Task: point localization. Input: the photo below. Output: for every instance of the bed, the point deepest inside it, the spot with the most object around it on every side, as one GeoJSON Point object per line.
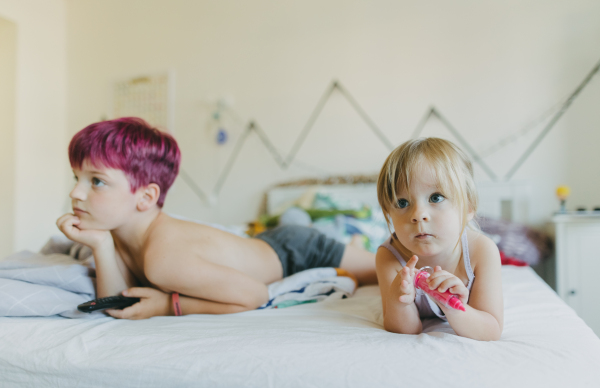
{"type": "Point", "coordinates": [335, 343]}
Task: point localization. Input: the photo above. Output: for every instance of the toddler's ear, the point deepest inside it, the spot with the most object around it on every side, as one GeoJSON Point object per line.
{"type": "Point", "coordinates": [470, 215]}
{"type": "Point", "coordinates": [149, 197]}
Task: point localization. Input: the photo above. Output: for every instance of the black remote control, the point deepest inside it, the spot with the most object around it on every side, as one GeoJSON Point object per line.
{"type": "Point", "coordinates": [110, 302]}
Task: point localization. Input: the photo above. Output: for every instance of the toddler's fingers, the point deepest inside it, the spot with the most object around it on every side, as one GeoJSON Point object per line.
{"type": "Point", "coordinates": [405, 287]}
{"type": "Point", "coordinates": [448, 283]}
{"type": "Point", "coordinates": [406, 299]}
{"type": "Point", "coordinates": [459, 290]}
{"type": "Point", "coordinates": [434, 282]}
{"type": "Point", "coordinates": [412, 262]}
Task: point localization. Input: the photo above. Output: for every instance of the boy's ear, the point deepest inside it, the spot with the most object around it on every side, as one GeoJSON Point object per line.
{"type": "Point", "coordinates": [149, 197]}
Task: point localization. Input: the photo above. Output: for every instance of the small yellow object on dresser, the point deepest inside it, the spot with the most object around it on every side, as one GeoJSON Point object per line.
{"type": "Point", "coordinates": [562, 192]}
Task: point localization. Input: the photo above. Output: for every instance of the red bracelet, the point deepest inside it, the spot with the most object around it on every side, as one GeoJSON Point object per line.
{"type": "Point", "coordinates": [176, 305]}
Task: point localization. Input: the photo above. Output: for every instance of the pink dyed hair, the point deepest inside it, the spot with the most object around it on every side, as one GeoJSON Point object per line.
{"type": "Point", "coordinates": [145, 154]}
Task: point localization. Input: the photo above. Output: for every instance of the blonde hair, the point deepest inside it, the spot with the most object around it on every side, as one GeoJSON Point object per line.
{"type": "Point", "coordinates": [452, 168]}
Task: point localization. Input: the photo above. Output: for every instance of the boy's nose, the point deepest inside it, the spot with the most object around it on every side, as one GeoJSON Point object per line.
{"type": "Point", "coordinates": [77, 193]}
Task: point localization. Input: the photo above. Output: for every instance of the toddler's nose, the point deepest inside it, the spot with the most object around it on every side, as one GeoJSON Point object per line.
{"type": "Point", "coordinates": [420, 214]}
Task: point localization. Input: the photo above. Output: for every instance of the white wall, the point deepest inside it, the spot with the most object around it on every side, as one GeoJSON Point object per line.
{"type": "Point", "coordinates": [39, 119]}
{"type": "Point", "coordinates": [490, 67]}
{"type": "Point", "coordinates": [8, 53]}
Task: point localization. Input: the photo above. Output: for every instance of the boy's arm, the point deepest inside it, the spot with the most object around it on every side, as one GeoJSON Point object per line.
{"type": "Point", "coordinates": [112, 275]}
{"type": "Point", "coordinates": [158, 303]}
{"type": "Point", "coordinates": [202, 279]}
{"type": "Point", "coordinates": [398, 316]}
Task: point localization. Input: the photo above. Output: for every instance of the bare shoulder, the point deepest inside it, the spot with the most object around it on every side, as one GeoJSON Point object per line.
{"type": "Point", "coordinates": [386, 259]}
{"type": "Point", "coordinates": [482, 250]}
{"type": "Point", "coordinates": [386, 266]}
{"type": "Point", "coordinates": [169, 234]}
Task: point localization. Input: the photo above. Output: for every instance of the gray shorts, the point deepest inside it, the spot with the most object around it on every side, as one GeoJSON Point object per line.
{"type": "Point", "coordinates": [302, 247]}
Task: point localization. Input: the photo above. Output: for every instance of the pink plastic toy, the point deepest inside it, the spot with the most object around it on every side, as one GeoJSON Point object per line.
{"type": "Point", "coordinates": [446, 298]}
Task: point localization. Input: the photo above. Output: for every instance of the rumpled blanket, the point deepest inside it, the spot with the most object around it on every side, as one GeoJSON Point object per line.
{"type": "Point", "coordinates": [62, 276]}
{"type": "Point", "coordinates": [311, 286]}
{"type": "Point", "coordinates": [38, 285]}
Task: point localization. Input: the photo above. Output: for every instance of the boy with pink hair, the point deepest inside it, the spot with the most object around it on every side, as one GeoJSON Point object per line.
{"type": "Point", "coordinates": [123, 169]}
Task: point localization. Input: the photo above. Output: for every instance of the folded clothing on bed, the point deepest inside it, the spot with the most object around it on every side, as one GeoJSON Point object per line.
{"type": "Point", "coordinates": [310, 286]}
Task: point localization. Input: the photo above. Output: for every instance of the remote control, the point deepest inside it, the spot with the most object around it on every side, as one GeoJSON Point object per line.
{"type": "Point", "coordinates": [110, 302]}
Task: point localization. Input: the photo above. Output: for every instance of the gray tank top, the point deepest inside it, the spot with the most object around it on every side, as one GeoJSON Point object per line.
{"type": "Point", "coordinates": [425, 305]}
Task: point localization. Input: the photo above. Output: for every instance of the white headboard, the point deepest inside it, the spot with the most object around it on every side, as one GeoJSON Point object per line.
{"type": "Point", "coordinates": [502, 200]}
{"type": "Point", "coordinates": [365, 193]}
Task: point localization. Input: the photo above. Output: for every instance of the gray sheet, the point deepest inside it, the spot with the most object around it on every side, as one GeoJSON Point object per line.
{"type": "Point", "coordinates": [48, 283]}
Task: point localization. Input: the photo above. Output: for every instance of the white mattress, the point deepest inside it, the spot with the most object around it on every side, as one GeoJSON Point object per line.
{"type": "Point", "coordinates": [330, 344]}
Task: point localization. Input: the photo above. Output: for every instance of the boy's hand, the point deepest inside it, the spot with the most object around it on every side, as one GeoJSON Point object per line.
{"type": "Point", "coordinates": [404, 283]}
{"type": "Point", "coordinates": [445, 281]}
{"type": "Point", "coordinates": [69, 225]}
{"type": "Point", "coordinates": [152, 303]}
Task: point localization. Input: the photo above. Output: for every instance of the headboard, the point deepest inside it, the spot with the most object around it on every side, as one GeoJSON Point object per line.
{"type": "Point", "coordinates": [500, 200]}
{"type": "Point", "coordinates": [504, 200]}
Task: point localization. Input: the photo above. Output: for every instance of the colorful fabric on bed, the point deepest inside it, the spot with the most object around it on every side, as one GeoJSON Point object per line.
{"type": "Point", "coordinates": [311, 286]}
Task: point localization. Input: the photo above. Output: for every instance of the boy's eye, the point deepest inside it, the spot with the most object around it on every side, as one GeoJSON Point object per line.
{"type": "Point", "coordinates": [402, 203]}
{"type": "Point", "coordinates": [75, 177]}
{"type": "Point", "coordinates": [97, 182]}
{"type": "Point", "coordinates": [437, 198]}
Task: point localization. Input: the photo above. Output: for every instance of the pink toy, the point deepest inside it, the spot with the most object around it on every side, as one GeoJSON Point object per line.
{"type": "Point", "coordinates": [446, 298]}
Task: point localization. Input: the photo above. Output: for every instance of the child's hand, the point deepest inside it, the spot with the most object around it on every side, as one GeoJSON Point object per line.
{"type": "Point", "coordinates": [444, 281]}
{"type": "Point", "coordinates": [152, 303]}
{"type": "Point", "coordinates": [405, 282]}
{"type": "Point", "coordinates": [69, 225]}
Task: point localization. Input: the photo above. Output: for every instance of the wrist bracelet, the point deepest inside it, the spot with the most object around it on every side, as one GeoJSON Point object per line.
{"type": "Point", "coordinates": [176, 305]}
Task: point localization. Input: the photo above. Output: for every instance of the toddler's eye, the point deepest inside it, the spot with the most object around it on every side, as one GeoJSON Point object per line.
{"type": "Point", "coordinates": [97, 182]}
{"type": "Point", "coordinates": [402, 203]}
{"type": "Point", "coordinates": [437, 198]}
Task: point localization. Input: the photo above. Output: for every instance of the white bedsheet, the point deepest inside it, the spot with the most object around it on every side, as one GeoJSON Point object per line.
{"type": "Point", "coordinates": [337, 343]}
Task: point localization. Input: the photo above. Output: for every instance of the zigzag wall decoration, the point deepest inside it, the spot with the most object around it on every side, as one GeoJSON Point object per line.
{"type": "Point", "coordinates": [433, 112]}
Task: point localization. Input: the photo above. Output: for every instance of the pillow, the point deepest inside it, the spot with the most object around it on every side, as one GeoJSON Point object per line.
{"type": "Point", "coordinates": [519, 241]}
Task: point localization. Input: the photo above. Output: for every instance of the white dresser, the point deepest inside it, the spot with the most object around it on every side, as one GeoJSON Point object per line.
{"type": "Point", "coordinates": [578, 264]}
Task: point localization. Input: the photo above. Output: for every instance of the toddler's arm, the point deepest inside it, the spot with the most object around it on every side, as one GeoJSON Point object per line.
{"type": "Point", "coordinates": [396, 284]}
{"type": "Point", "coordinates": [484, 315]}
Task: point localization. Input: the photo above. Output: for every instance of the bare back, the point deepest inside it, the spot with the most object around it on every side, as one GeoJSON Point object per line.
{"type": "Point", "coordinates": [169, 237]}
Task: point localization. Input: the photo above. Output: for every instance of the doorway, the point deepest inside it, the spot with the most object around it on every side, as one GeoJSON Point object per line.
{"type": "Point", "coordinates": [8, 52]}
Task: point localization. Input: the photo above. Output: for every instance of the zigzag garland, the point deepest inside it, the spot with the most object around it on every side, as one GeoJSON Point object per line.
{"type": "Point", "coordinates": [433, 112]}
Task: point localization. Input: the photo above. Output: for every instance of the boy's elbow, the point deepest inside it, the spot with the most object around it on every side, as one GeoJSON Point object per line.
{"type": "Point", "coordinates": [252, 301]}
